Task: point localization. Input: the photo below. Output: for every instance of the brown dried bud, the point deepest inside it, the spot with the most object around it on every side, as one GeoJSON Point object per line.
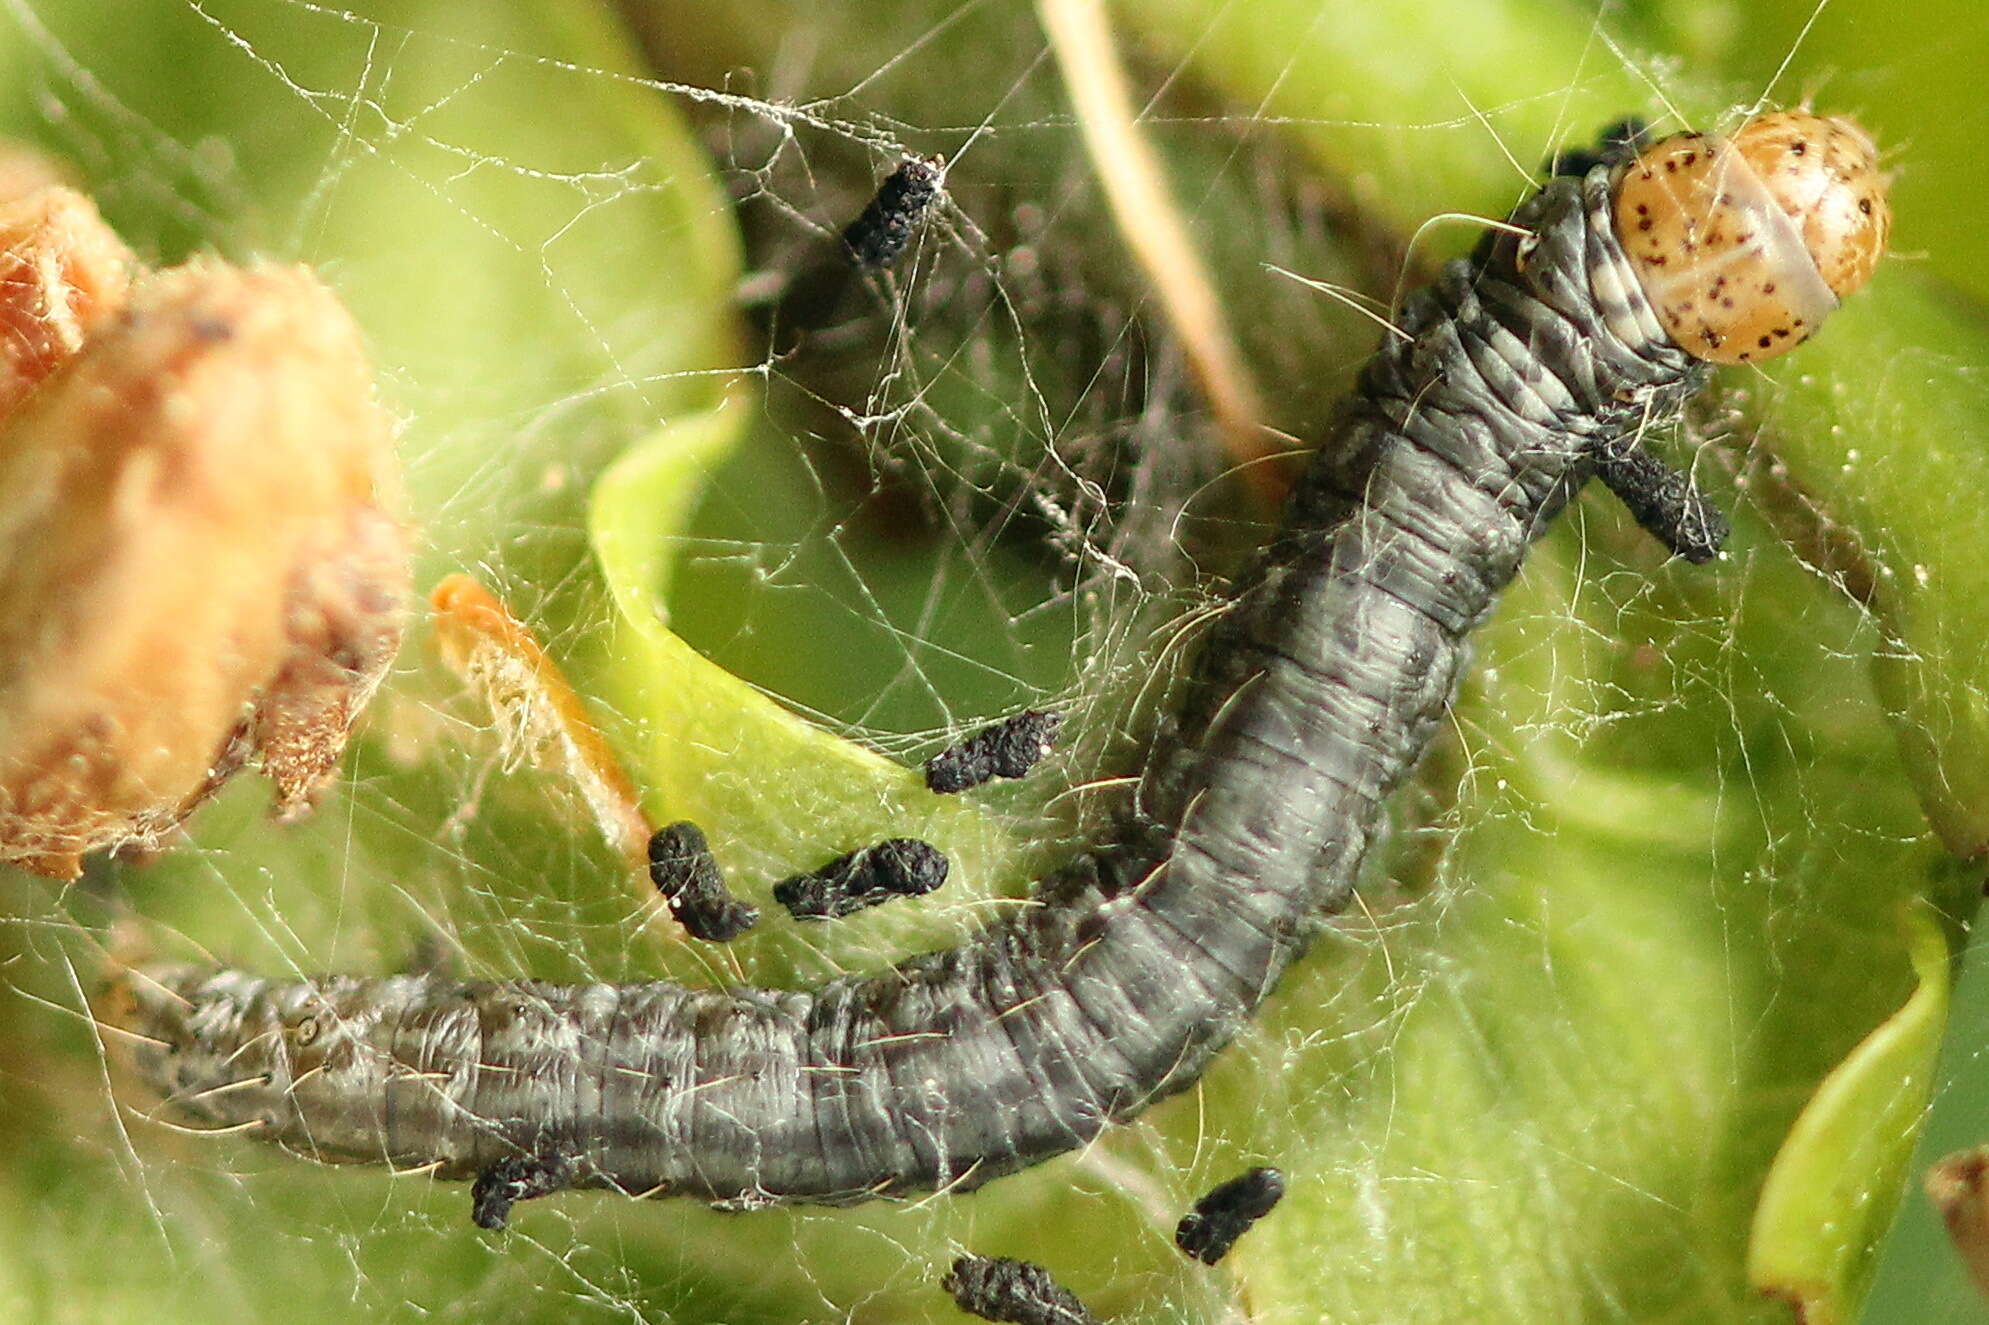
{"type": "Point", "coordinates": [195, 562]}
{"type": "Point", "coordinates": [63, 274]}
{"type": "Point", "coordinates": [25, 170]}
{"type": "Point", "coordinates": [1959, 1188]}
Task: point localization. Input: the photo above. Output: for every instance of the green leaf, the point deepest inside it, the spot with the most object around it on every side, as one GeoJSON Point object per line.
{"type": "Point", "coordinates": [1835, 1184]}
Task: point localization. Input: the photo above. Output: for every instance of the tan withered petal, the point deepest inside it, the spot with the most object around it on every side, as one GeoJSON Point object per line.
{"type": "Point", "coordinates": [196, 561]}
{"type": "Point", "coordinates": [63, 274]}
{"type": "Point", "coordinates": [25, 170]}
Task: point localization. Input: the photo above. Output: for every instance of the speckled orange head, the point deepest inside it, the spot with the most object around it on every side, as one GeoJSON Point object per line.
{"type": "Point", "coordinates": [1745, 244]}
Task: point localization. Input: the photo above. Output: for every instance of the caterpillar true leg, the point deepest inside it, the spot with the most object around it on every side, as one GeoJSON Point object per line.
{"type": "Point", "coordinates": [1615, 142]}
{"type": "Point", "coordinates": [1663, 500]}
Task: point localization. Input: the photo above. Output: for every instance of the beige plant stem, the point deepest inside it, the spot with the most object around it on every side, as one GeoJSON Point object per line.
{"type": "Point", "coordinates": [1151, 223]}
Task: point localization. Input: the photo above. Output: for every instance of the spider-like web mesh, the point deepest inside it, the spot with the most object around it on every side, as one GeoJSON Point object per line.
{"type": "Point", "coordinates": [1652, 884]}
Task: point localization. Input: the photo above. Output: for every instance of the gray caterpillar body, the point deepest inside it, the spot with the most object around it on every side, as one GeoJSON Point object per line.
{"type": "Point", "coordinates": [1142, 958]}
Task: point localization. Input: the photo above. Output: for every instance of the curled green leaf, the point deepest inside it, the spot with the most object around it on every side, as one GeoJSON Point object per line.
{"type": "Point", "coordinates": [709, 746]}
{"type": "Point", "coordinates": [1835, 1184]}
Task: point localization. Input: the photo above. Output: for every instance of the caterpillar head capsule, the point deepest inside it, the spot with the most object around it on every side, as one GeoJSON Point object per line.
{"type": "Point", "coordinates": [1745, 244]}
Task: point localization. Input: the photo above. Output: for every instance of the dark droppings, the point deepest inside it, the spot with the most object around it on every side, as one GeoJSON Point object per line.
{"type": "Point", "coordinates": [1017, 1292]}
{"type": "Point", "coordinates": [876, 238]}
{"type": "Point", "coordinates": [1008, 749]}
{"type": "Point", "coordinates": [1208, 1231]}
{"type": "Point", "coordinates": [509, 1181]}
{"type": "Point", "coordinates": [685, 872]}
{"type": "Point", "coordinates": [900, 867]}
{"type": "Point", "coordinates": [820, 295]}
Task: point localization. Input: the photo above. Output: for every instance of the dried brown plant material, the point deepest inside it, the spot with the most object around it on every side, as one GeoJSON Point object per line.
{"type": "Point", "coordinates": [64, 274]}
{"type": "Point", "coordinates": [539, 713]}
{"type": "Point", "coordinates": [197, 564]}
{"type": "Point", "coordinates": [24, 170]}
{"type": "Point", "coordinates": [1959, 1188]}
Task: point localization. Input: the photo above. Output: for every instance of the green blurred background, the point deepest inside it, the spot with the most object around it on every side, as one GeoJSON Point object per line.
{"type": "Point", "coordinates": [1658, 882]}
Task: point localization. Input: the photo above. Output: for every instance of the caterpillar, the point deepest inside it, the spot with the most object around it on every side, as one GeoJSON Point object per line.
{"type": "Point", "coordinates": [1540, 362]}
